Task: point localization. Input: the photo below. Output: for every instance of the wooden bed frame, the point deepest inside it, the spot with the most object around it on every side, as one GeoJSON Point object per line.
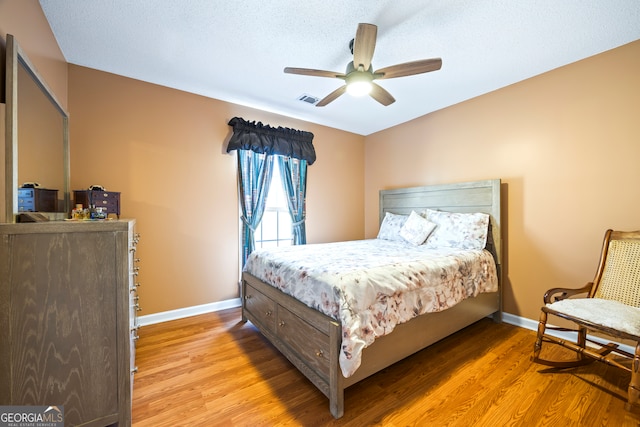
{"type": "Point", "coordinates": [311, 340]}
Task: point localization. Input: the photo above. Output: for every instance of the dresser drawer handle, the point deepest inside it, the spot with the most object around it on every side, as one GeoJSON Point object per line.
{"type": "Point", "coordinates": [268, 313]}
{"type": "Point", "coordinates": [105, 202]}
{"type": "Point", "coordinates": [320, 353]}
{"type": "Point", "coordinates": [281, 323]}
{"type": "Point", "coordinates": [134, 370]}
{"type": "Point", "coordinates": [247, 297]}
{"type": "Point", "coordinates": [105, 194]}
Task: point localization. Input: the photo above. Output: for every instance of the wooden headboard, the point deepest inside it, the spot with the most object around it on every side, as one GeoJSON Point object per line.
{"type": "Point", "coordinates": [475, 196]}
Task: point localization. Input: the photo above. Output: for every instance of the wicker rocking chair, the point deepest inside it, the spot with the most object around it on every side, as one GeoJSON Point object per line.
{"type": "Point", "coordinates": [611, 308]}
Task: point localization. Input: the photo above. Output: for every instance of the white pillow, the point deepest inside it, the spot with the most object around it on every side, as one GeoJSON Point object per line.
{"type": "Point", "coordinates": [391, 225]}
{"type": "Point", "coordinates": [458, 230]}
{"type": "Point", "coordinates": [416, 229]}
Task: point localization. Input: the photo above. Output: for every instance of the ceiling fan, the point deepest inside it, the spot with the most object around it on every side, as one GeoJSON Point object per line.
{"type": "Point", "coordinates": [359, 75]}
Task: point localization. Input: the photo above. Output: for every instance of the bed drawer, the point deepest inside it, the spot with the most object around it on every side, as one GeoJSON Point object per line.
{"type": "Point", "coordinates": [261, 306]}
{"type": "Point", "coordinates": [305, 340]}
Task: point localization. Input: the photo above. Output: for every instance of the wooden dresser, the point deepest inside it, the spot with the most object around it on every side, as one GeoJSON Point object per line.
{"type": "Point", "coordinates": [67, 318]}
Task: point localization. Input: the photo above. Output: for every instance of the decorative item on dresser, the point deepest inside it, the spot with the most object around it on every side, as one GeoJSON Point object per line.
{"type": "Point", "coordinates": [37, 200]}
{"type": "Point", "coordinates": [110, 200]}
{"type": "Point", "coordinates": [68, 308]}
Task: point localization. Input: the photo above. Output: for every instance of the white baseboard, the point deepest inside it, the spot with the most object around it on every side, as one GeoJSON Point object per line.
{"type": "Point", "coordinates": [165, 316]}
{"type": "Point", "coordinates": [533, 325]}
{"type": "Point", "coordinates": [523, 322]}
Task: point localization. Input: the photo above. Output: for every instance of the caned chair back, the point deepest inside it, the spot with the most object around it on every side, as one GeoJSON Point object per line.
{"type": "Point", "coordinates": [618, 276]}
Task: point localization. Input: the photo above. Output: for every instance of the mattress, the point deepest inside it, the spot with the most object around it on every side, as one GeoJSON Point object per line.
{"type": "Point", "coordinates": [370, 286]}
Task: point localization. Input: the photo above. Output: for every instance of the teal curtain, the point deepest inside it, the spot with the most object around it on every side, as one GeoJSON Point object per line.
{"type": "Point", "coordinates": [254, 178]}
{"type": "Point", "coordinates": [257, 145]}
{"type": "Point", "coordinates": [294, 177]}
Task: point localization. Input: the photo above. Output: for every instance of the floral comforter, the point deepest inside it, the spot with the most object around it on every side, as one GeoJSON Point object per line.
{"type": "Point", "coordinates": [370, 286]}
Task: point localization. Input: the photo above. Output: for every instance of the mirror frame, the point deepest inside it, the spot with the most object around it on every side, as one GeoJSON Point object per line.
{"type": "Point", "coordinates": [15, 58]}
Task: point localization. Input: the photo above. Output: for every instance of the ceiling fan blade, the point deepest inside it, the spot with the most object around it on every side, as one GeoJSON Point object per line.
{"type": "Point", "coordinates": [408, 68]}
{"type": "Point", "coordinates": [312, 72]}
{"type": "Point", "coordinates": [364, 45]}
{"type": "Point", "coordinates": [332, 96]}
{"type": "Point", "coordinates": [381, 95]}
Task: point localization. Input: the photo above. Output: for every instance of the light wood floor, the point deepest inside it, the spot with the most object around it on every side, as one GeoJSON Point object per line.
{"type": "Point", "coordinates": [212, 370]}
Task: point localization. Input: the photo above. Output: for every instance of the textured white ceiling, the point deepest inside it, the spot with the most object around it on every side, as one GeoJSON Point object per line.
{"type": "Point", "coordinates": [236, 51]}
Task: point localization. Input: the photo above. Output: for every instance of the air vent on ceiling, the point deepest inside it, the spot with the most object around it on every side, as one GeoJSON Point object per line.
{"type": "Point", "coordinates": [308, 99]}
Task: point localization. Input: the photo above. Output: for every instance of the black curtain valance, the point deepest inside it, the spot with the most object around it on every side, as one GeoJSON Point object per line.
{"type": "Point", "coordinates": [266, 139]}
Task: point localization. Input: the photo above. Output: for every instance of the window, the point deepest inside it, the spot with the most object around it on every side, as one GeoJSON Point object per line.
{"type": "Point", "coordinates": [275, 227]}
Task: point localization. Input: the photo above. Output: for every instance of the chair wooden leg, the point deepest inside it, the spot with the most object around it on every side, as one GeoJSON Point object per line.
{"type": "Point", "coordinates": [542, 323]}
{"type": "Point", "coordinates": [578, 348]}
{"type": "Point", "coordinates": [633, 398]}
{"type": "Point", "coordinates": [582, 340]}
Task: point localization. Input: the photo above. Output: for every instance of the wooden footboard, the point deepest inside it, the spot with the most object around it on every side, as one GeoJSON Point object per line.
{"type": "Point", "coordinates": [311, 340]}
{"type": "Point", "coordinates": [308, 338]}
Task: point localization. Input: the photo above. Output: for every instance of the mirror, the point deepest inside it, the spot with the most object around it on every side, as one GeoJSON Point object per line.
{"type": "Point", "coordinates": [36, 140]}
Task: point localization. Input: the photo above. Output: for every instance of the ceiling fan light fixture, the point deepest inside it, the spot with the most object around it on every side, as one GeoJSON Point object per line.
{"type": "Point", "coordinates": [359, 75]}
{"type": "Point", "coordinates": [359, 88]}
{"type": "Point", "coordinates": [359, 84]}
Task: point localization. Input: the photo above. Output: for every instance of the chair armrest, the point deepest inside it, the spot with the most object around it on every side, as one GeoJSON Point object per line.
{"type": "Point", "coordinates": [557, 294]}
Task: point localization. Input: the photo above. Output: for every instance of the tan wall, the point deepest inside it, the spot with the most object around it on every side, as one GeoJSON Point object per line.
{"type": "Point", "coordinates": [163, 149]}
{"type": "Point", "coordinates": [25, 20]}
{"type": "Point", "coordinates": [566, 147]}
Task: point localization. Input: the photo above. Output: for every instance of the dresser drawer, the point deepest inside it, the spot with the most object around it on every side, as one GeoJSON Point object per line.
{"type": "Point", "coordinates": [26, 205]}
{"type": "Point", "coordinates": [103, 195]}
{"type": "Point", "coordinates": [261, 306]}
{"type": "Point", "coordinates": [26, 193]}
{"type": "Point", "coordinates": [304, 339]}
{"type": "Point", "coordinates": [109, 204]}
